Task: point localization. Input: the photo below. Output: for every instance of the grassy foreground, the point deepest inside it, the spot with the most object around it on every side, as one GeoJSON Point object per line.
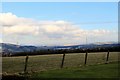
{"type": "Point", "coordinates": [94, 71]}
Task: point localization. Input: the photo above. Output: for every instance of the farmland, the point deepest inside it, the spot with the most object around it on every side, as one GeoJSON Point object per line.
{"type": "Point", "coordinates": [12, 65]}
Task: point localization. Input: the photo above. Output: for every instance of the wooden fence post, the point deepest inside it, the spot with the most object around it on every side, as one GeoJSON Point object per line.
{"type": "Point", "coordinates": [63, 60]}
{"type": "Point", "coordinates": [107, 57]}
{"type": "Point", "coordinates": [26, 62]}
{"type": "Point", "coordinates": [86, 58]}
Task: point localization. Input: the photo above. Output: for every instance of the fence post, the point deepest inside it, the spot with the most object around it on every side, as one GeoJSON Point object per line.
{"type": "Point", "coordinates": [86, 58]}
{"type": "Point", "coordinates": [26, 62]}
{"type": "Point", "coordinates": [63, 60]}
{"type": "Point", "coordinates": [107, 57]}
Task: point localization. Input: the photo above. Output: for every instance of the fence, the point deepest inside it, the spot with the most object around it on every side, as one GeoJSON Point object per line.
{"type": "Point", "coordinates": [55, 61]}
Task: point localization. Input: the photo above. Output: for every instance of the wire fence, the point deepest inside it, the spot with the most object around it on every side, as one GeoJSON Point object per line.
{"type": "Point", "coordinates": [23, 64]}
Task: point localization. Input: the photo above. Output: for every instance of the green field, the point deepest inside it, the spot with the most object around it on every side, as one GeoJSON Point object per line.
{"type": "Point", "coordinates": [94, 71]}
{"type": "Point", "coordinates": [40, 63]}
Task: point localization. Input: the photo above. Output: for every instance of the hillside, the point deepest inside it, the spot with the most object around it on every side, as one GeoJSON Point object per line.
{"type": "Point", "coordinates": [14, 49]}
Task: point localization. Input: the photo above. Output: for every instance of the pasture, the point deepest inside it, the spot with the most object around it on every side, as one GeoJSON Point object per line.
{"type": "Point", "coordinates": [40, 63]}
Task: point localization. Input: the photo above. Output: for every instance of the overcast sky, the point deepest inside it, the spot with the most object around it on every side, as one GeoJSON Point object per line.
{"type": "Point", "coordinates": [53, 23]}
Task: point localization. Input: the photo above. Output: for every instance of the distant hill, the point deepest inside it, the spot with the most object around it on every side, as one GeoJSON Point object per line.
{"type": "Point", "coordinates": [14, 49]}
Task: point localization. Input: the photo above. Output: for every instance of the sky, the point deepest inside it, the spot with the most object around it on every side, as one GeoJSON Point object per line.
{"type": "Point", "coordinates": [59, 23]}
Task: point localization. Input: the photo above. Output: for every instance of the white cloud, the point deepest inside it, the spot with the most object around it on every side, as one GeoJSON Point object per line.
{"type": "Point", "coordinates": [49, 32]}
{"type": "Point", "coordinates": [21, 29]}
{"type": "Point", "coordinates": [9, 19]}
{"type": "Point", "coordinates": [52, 28]}
{"type": "Point", "coordinates": [0, 40]}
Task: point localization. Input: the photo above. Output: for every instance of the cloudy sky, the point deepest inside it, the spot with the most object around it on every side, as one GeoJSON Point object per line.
{"type": "Point", "coordinates": [37, 23]}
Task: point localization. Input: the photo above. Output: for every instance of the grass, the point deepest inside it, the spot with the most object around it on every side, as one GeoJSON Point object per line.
{"type": "Point", "coordinates": [40, 63]}
{"type": "Point", "coordinates": [94, 71]}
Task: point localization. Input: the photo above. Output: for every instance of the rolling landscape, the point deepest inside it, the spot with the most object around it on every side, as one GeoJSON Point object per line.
{"type": "Point", "coordinates": [48, 65]}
